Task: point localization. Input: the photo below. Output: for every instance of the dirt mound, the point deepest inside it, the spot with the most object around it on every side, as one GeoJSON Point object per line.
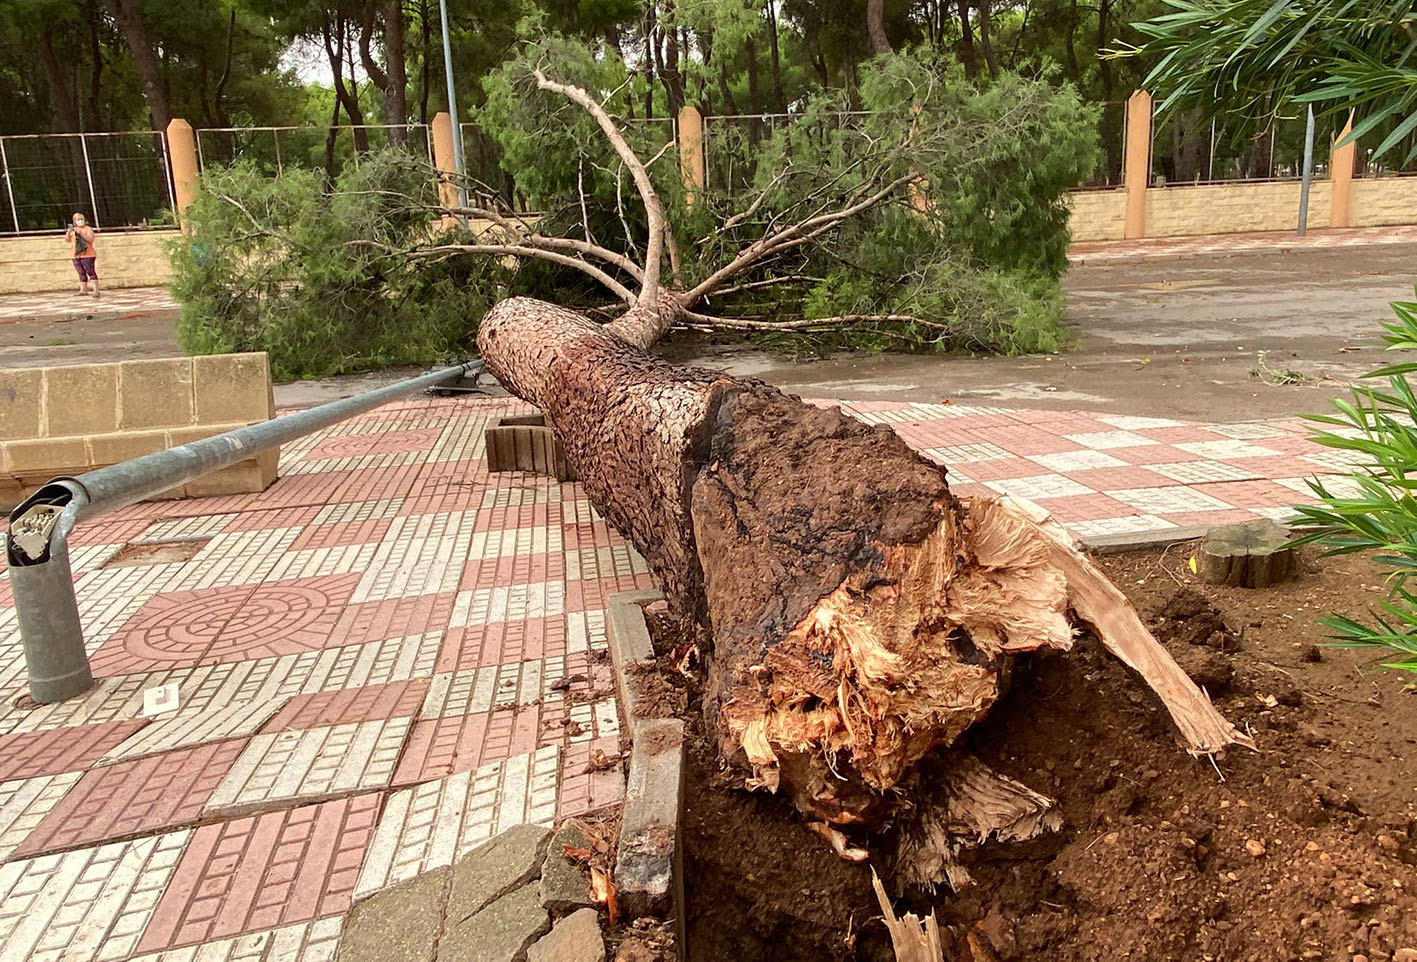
{"type": "Point", "coordinates": [1306, 849]}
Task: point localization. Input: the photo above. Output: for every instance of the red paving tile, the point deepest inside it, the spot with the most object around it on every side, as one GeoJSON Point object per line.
{"type": "Point", "coordinates": [1288, 466]}
{"type": "Point", "coordinates": [592, 534]}
{"type": "Point", "coordinates": [518, 516]}
{"type": "Point", "coordinates": [384, 442]}
{"type": "Point", "coordinates": [1142, 454]}
{"type": "Point", "coordinates": [592, 594]}
{"type": "Point", "coordinates": [258, 873]}
{"type": "Point", "coordinates": [1119, 479]}
{"type": "Point", "coordinates": [502, 643]}
{"type": "Point", "coordinates": [171, 628]}
{"type": "Point", "coordinates": [395, 618]}
{"type": "Point", "coordinates": [440, 746]}
{"type": "Point", "coordinates": [1187, 519]}
{"type": "Point", "coordinates": [1084, 507]}
{"type": "Point", "coordinates": [397, 699]}
{"type": "Point", "coordinates": [1250, 494]}
{"type": "Point", "coordinates": [1188, 434]}
{"type": "Point", "coordinates": [1024, 440]}
{"type": "Point", "coordinates": [521, 569]}
{"type": "Point", "coordinates": [997, 469]}
{"type": "Point", "coordinates": [134, 798]}
{"type": "Point", "coordinates": [109, 531]}
{"type": "Point", "coordinates": [27, 754]}
{"type": "Point", "coordinates": [343, 533]}
{"type": "Point", "coordinates": [214, 625]}
{"type": "Point", "coordinates": [585, 791]}
{"type": "Point", "coordinates": [274, 518]}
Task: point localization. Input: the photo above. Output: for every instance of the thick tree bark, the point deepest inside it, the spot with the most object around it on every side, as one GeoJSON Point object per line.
{"type": "Point", "coordinates": [862, 617]}
{"type": "Point", "coordinates": [876, 26]}
{"type": "Point", "coordinates": [986, 46]}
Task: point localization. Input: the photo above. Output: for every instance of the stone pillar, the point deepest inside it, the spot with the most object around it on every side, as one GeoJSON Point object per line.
{"type": "Point", "coordinates": [691, 150]}
{"type": "Point", "coordinates": [182, 162]}
{"type": "Point", "coordinates": [1136, 162]}
{"type": "Point", "coordinates": [443, 158]}
{"type": "Point", "coordinates": [1340, 171]}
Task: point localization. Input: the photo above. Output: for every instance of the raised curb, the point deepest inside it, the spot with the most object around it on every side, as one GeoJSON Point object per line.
{"type": "Point", "coordinates": [649, 865]}
{"type": "Point", "coordinates": [630, 644]}
{"type": "Point", "coordinates": [1145, 538]}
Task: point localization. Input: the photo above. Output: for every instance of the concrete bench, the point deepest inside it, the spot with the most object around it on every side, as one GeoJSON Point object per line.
{"type": "Point", "coordinates": [57, 421]}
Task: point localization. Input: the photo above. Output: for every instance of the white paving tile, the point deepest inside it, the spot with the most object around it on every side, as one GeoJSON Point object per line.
{"type": "Point", "coordinates": [1127, 525]}
{"type": "Point", "coordinates": [526, 493]}
{"type": "Point", "coordinates": [189, 726]}
{"type": "Point", "coordinates": [437, 822]}
{"type": "Point", "coordinates": [1104, 440]}
{"type": "Point", "coordinates": [486, 606]}
{"type": "Point", "coordinates": [506, 542]}
{"type": "Point", "coordinates": [420, 554]}
{"type": "Point", "coordinates": [1249, 431]}
{"type": "Point", "coordinates": [1199, 472]}
{"type": "Point", "coordinates": [1077, 460]}
{"type": "Point", "coordinates": [477, 690]}
{"type": "Point", "coordinates": [1230, 449]}
{"type": "Point", "coordinates": [88, 904]}
{"type": "Point", "coordinates": [966, 453]}
{"type": "Point", "coordinates": [1129, 422]}
{"type": "Point", "coordinates": [585, 630]}
{"type": "Point", "coordinates": [1175, 500]}
{"type": "Point", "coordinates": [25, 801]}
{"type": "Point", "coordinates": [1338, 459]}
{"type": "Point", "coordinates": [1040, 486]}
{"type": "Point", "coordinates": [604, 562]}
{"type": "Point", "coordinates": [316, 941]}
{"type": "Point", "coordinates": [303, 766]}
{"type": "Point", "coordinates": [196, 526]}
{"type": "Point", "coordinates": [358, 511]}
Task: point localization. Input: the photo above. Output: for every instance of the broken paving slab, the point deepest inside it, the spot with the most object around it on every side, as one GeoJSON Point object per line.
{"type": "Point", "coordinates": [564, 886]}
{"type": "Point", "coordinates": [499, 865]}
{"type": "Point", "coordinates": [576, 938]}
{"type": "Point", "coordinates": [400, 924]}
{"type": "Point", "coordinates": [648, 870]}
{"type": "Point", "coordinates": [502, 931]}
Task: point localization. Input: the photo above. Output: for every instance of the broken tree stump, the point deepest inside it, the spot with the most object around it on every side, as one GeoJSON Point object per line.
{"type": "Point", "coordinates": [861, 616]}
{"type": "Point", "coordinates": [1254, 554]}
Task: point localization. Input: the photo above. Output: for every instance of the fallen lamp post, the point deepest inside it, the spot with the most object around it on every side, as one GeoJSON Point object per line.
{"type": "Point", "coordinates": [37, 545]}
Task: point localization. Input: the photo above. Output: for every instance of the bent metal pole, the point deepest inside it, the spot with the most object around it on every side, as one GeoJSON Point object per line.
{"type": "Point", "coordinates": [37, 541]}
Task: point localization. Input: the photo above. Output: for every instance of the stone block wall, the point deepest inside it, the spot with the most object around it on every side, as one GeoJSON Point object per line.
{"type": "Point", "coordinates": [1384, 201]}
{"type": "Point", "coordinates": [32, 263]}
{"type": "Point", "coordinates": [67, 420]}
{"type": "Point", "coordinates": [1098, 215]}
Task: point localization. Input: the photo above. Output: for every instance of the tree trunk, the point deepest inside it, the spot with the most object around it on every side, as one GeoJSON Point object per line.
{"type": "Point", "coordinates": [396, 87]}
{"type": "Point", "coordinates": [966, 42]}
{"type": "Point", "coordinates": [424, 67]}
{"type": "Point", "coordinates": [1070, 44]}
{"type": "Point", "coordinates": [862, 617]}
{"type": "Point", "coordinates": [95, 67]}
{"type": "Point", "coordinates": [985, 45]}
{"type": "Point", "coordinates": [876, 27]}
{"type": "Point", "coordinates": [130, 23]}
{"type": "Point", "coordinates": [779, 99]}
{"type": "Point", "coordinates": [65, 105]}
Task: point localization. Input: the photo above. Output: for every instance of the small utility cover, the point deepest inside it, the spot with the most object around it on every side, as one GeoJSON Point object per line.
{"type": "Point", "coordinates": [160, 699]}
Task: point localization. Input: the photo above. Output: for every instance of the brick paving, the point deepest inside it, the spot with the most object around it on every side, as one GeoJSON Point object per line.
{"type": "Point", "coordinates": [61, 305]}
{"type": "Point", "coordinates": [392, 654]}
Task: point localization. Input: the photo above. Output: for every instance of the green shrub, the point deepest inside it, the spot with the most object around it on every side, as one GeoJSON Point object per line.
{"type": "Point", "coordinates": [1379, 514]}
{"type": "Point", "coordinates": [319, 278]}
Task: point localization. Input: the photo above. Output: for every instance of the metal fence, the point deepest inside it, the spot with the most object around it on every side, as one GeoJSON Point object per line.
{"type": "Point", "coordinates": [272, 149]}
{"type": "Point", "coordinates": [115, 179]}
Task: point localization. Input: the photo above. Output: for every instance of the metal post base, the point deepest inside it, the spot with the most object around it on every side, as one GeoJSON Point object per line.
{"type": "Point", "coordinates": [50, 632]}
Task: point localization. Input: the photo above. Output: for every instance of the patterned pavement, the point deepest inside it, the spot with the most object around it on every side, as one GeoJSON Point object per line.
{"type": "Point", "coordinates": [67, 305]}
{"type": "Point", "coordinates": [1102, 253]}
{"type": "Point", "coordinates": [391, 655]}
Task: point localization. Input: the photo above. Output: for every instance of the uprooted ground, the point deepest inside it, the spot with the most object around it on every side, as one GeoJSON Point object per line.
{"type": "Point", "coordinates": [1306, 849]}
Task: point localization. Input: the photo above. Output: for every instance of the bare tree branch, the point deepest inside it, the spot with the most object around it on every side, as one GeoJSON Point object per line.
{"type": "Point", "coordinates": [522, 250]}
{"type": "Point", "coordinates": [517, 233]}
{"type": "Point", "coordinates": [654, 210]}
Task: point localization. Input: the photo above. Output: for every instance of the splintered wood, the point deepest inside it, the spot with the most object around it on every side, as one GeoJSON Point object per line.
{"type": "Point", "coordinates": [861, 617]}
{"type": "Point", "coordinates": [912, 939]}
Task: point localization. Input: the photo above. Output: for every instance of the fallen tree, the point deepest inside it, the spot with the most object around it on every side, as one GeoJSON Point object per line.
{"type": "Point", "coordinates": [862, 617]}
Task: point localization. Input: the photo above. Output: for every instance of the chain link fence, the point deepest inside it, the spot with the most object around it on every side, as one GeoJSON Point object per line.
{"type": "Point", "coordinates": [117, 180]}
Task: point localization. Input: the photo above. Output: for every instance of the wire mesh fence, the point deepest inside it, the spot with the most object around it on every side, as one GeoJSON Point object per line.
{"type": "Point", "coordinates": [117, 180]}
{"type": "Point", "coordinates": [272, 149]}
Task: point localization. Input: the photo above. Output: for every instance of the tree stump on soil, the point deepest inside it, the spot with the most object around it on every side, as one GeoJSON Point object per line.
{"type": "Point", "coordinates": [1255, 554]}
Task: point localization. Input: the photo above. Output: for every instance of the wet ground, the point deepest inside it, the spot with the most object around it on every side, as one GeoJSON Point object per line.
{"type": "Point", "coordinates": [1176, 338]}
{"type": "Point", "coordinates": [1163, 337]}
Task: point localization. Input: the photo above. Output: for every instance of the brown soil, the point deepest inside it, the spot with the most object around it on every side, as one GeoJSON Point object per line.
{"type": "Point", "coordinates": [1306, 849]}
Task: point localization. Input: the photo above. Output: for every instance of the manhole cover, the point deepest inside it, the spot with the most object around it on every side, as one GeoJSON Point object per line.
{"type": "Point", "coordinates": [156, 552]}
